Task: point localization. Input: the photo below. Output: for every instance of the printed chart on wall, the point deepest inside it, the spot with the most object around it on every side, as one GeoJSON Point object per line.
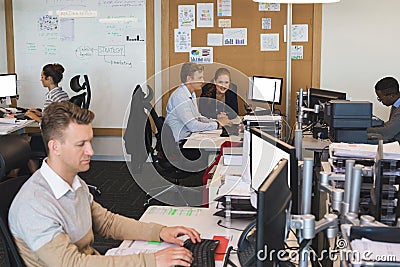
{"type": "Point", "coordinates": [104, 39]}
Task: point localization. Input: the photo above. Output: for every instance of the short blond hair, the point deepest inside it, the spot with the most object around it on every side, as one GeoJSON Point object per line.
{"type": "Point", "coordinates": [188, 69]}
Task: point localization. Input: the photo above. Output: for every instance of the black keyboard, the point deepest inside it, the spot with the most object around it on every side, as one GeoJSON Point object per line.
{"type": "Point", "coordinates": [247, 256]}
{"type": "Point", "coordinates": [203, 252]}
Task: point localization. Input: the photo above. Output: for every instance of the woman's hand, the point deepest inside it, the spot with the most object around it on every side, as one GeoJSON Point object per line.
{"type": "Point", "coordinates": [222, 115]}
{"type": "Point", "coordinates": [173, 256]}
{"type": "Point", "coordinates": [171, 234]}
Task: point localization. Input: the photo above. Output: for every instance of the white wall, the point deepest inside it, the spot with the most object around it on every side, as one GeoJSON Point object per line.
{"type": "Point", "coordinates": [360, 45]}
{"type": "Point", "coordinates": [3, 51]}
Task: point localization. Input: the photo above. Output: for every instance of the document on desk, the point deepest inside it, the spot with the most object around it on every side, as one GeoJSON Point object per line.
{"type": "Point", "coordinates": [376, 251]}
{"type": "Point", "coordinates": [234, 186]}
{"type": "Point", "coordinates": [262, 118]}
{"type": "Point", "coordinates": [137, 247]}
{"type": "Point", "coordinates": [8, 120]}
{"type": "Point", "coordinates": [390, 150]}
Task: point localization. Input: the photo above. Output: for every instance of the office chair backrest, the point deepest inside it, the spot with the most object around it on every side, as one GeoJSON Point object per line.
{"type": "Point", "coordinates": [8, 191]}
{"type": "Point", "coordinates": [78, 99]}
{"type": "Point", "coordinates": [137, 143]}
{"type": "Point", "coordinates": [14, 153]}
{"type": "Point", "coordinates": [82, 100]}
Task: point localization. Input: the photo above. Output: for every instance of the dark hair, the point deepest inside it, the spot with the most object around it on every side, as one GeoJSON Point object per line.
{"type": "Point", "coordinates": [58, 115]}
{"type": "Point", "coordinates": [208, 90]}
{"type": "Point", "coordinates": [188, 69]}
{"type": "Point", "coordinates": [387, 85]}
{"type": "Point", "coordinates": [222, 71]}
{"type": "Point", "coordinates": [55, 71]}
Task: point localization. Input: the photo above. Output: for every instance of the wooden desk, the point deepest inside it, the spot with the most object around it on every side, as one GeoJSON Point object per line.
{"type": "Point", "coordinates": [201, 219]}
{"type": "Point", "coordinates": [12, 128]}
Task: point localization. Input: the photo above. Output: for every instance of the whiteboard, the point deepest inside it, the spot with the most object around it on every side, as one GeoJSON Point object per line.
{"type": "Point", "coordinates": [105, 39]}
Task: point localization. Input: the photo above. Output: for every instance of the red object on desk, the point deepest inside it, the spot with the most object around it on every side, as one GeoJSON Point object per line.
{"type": "Point", "coordinates": [221, 248]}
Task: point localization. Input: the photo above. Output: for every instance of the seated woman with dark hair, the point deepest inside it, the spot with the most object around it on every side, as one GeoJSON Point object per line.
{"type": "Point", "coordinates": [219, 98]}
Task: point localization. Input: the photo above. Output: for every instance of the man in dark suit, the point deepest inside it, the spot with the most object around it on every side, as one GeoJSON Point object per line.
{"type": "Point", "coordinates": [387, 91]}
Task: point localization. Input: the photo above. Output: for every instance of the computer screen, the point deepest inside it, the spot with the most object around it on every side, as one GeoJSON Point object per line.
{"type": "Point", "coordinates": [265, 152]}
{"type": "Point", "coordinates": [273, 208]}
{"type": "Point", "coordinates": [8, 85]}
{"type": "Point", "coordinates": [266, 89]}
{"type": "Point", "coordinates": [319, 96]}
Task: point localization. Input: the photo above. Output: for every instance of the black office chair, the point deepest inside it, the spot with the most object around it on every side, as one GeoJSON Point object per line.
{"type": "Point", "coordinates": [83, 99]}
{"type": "Point", "coordinates": [15, 152]}
{"type": "Point", "coordinates": [164, 154]}
{"type": "Point", "coordinates": [8, 191]}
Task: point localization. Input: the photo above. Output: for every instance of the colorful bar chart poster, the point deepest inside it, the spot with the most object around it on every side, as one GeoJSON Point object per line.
{"type": "Point", "coordinates": [186, 16]}
{"type": "Point", "coordinates": [235, 36]}
{"type": "Point", "coordinates": [205, 15]}
{"type": "Point", "coordinates": [182, 39]}
{"type": "Point", "coordinates": [201, 55]}
{"type": "Point", "coordinates": [224, 8]}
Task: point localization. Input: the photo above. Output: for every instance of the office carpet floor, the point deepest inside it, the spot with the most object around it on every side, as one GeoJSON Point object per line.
{"type": "Point", "coordinates": [120, 193]}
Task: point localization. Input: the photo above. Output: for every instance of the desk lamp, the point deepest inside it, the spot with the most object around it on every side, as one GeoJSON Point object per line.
{"type": "Point", "coordinates": [289, 45]}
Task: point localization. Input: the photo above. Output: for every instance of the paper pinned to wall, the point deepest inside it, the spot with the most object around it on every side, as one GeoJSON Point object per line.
{"type": "Point", "coordinates": [214, 39]}
{"type": "Point", "coordinates": [269, 42]}
{"type": "Point", "coordinates": [186, 16]}
{"type": "Point", "coordinates": [224, 23]}
{"type": "Point", "coordinates": [297, 52]}
{"type": "Point", "coordinates": [205, 15]}
{"type": "Point", "coordinates": [182, 40]}
{"type": "Point", "coordinates": [224, 8]}
{"type": "Point", "coordinates": [266, 23]}
{"type": "Point", "coordinates": [201, 55]}
{"type": "Point", "coordinates": [299, 33]}
{"type": "Point", "coordinates": [235, 36]}
{"type": "Point", "coordinates": [269, 7]}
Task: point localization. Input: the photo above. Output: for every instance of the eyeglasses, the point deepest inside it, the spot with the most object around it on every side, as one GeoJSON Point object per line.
{"type": "Point", "coordinates": [380, 99]}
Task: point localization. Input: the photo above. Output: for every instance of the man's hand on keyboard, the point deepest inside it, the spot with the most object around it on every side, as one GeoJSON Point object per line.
{"type": "Point", "coordinates": [171, 234]}
{"type": "Point", "coordinates": [179, 256]}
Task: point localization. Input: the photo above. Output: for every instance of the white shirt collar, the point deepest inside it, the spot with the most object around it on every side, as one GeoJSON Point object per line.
{"type": "Point", "coordinates": [190, 95]}
{"type": "Point", "coordinates": [56, 183]}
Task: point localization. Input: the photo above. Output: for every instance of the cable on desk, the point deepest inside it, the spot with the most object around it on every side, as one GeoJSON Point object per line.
{"type": "Point", "coordinates": [219, 223]}
{"type": "Point", "coordinates": [227, 260]}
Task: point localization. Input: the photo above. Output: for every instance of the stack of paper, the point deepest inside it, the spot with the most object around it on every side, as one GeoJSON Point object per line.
{"type": "Point", "coordinates": [376, 251]}
{"type": "Point", "coordinates": [390, 150]}
{"type": "Point", "coordinates": [262, 118]}
{"type": "Point", "coordinates": [8, 120]}
{"type": "Point", "coordinates": [233, 155]}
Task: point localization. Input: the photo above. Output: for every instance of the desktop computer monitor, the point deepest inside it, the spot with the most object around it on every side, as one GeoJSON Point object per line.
{"type": "Point", "coordinates": [8, 85]}
{"type": "Point", "coordinates": [265, 152]}
{"type": "Point", "coordinates": [273, 209]}
{"type": "Point", "coordinates": [321, 96]}
{"type": "Point", "coordinates": [266, 89]}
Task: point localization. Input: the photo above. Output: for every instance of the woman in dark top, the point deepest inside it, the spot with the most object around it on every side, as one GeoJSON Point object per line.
{"type": "Point", "coordinates": [219, 97]}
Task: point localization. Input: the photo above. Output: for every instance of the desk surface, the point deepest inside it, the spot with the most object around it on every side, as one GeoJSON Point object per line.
{"type": "Point", "coordinates": [310, 143]}
{"type": "Point", "coordinates": [209, 140]}
{"type": "Point", "coordinates": [10, 128]}
{"type": "Point", "coordinates": [201, 219]}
